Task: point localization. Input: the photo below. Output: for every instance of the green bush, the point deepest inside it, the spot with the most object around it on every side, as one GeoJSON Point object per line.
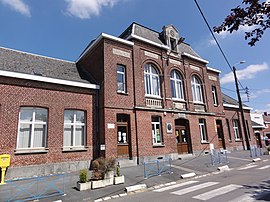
{"type": "Point", "coordinates": [118, 170]}
{"type": "Point", "coordinates": [83, 175]}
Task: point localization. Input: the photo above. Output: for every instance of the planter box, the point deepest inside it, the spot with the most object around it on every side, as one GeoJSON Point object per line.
{"type": "Point", "coordinates": [119, 179]}
{"type": "Point", "coordinates": [84, 186]}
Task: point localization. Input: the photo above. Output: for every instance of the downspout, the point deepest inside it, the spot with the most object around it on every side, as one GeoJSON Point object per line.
{"type": "Point", "coordinates": [134, 100]}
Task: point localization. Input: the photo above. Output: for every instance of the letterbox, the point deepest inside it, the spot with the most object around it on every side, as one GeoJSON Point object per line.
{"type": "Point", "coordinates": [4, 160]}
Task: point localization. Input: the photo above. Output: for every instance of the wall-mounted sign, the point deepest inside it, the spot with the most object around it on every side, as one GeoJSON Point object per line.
{"type": "Point", "coordinates": [111, 125]}
{"type": "Point", "coordinates": [102, 147]}
{"type": "Point", "coordinates": [169, 127]}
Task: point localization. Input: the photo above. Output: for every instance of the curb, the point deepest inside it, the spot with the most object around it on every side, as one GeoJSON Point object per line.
{"type": "Point", "coordinates": [256, 159]}
{"type": "Point", "coordinates": [136, 188]}
{"type": "Point", "coordinates": [188, 175]}
{"type": "Point", "coordinates": [222, 168]}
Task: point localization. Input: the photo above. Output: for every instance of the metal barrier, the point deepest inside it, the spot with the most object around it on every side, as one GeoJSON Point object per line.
{"type": "Point", "coordinates": [255, 151]}
{"type": "Point", "coordinates": [35, 188]}
{"type": "Point", "coordinates": [218, 157]}
{"type": "Point", "coordinates": [157, 167]}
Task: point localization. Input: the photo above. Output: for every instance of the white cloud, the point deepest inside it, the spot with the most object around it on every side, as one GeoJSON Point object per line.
{"type": "Point", "coordinates": [18, 5]}
{"type": "Point", "coordinates": [84, 9]}
{"type": "Point", "coordinates": [247, 73]}
{"type": "Point", "coordinates": [224, 34]}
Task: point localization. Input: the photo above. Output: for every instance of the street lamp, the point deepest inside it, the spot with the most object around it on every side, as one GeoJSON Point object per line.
{"type": "Point", "coordinates": [241, 106]}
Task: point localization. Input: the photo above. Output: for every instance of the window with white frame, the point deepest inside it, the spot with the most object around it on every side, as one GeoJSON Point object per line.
{"type": "Point", "coordinates": [151, 81]}
{"type": "Point", "coordinates": [74, 128]}
{"type": "Point", "coordinates": [121, 78]}
{"type": "Point", "coordinates": [156, 130]}
{"type": "Point", "coordinates": [236, 129]}
{"type": "Point", "coordinates": [214, 94]}
{"type": "Point", "coordinates": [203, 132]}
{"type": "Point", "coordinates": [32, 132]}
{"type": "Point", "coordinates": [196, 89]}
{"type": "Point", "coordinates": [177, 85]}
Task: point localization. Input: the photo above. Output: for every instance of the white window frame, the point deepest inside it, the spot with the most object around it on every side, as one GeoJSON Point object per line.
{"type": "Point", "coordinates": [236, 129]}
{"type": "Point", "coordinates": [73, 125]}
{"type": "Point", "coordinates": [203, 131]}
{"type": "Point", "coordinates": [214, 94]}
{"type": "Point", "coordinates": [196, 90]}
{"type": "Point", "coordinates": [154, 130]}
{"type": "Point", "coordinates": [178, 86]}
{"type": "Point", "coordinates": [123, 74]}
{"type": "Point", "coordinates": [151, 79]}
{"type": "Point", "coordinates": [32, 125]}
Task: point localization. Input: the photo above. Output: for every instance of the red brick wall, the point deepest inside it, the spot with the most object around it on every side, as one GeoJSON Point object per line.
{"type": "Point", "coordinates": [18, 93]}
{"type": "Point", "coordinates": [230, 114]}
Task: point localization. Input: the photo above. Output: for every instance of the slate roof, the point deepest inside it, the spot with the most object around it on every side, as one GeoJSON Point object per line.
{"type": "Point", "coordinates": [256, 125]}
{"type": "Point", "coordinates": [154, 36]}
{"type": "Point", "coordinates": [229, 100]}
{"type": "Point", "coordinates": [22, 62]}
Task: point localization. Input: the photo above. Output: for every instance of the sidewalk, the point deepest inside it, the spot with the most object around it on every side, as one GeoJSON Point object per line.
{"type": "Point", "coordinates": [135, 175]}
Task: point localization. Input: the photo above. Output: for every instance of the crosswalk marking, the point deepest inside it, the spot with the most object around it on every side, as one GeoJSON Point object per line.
{"type": "Point", "coordinates": [264, 167]}
{"type": "Point", "coordinates": [216, 192]}
{"type": "Point", "coordinates": [247, 167]}
{"type": "Point", "coordinates": [194, 188]}
{"type": "Point", "coordinates": [244, 198]}
{"type": "Point", "coordinates": [174, 186]}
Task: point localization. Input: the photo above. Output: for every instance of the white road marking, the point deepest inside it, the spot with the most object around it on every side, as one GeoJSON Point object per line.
{"type": "Point", "coordinates": [216, 192]}
{"type": "Point", "coordinates": [244, 198]}
{"type": "Point", "coordinates": [264, 167]}
{"type": "Point", "coordinates": [174, 186]}
{"type": "Point", "coordinates": [247, 167]}
{"type": "Point", "coordinates": [194, 188]}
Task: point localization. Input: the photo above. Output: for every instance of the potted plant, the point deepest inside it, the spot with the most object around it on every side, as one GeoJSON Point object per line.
{"type": "Point", "coordinates": [83, 183]}
{"type": "Point", "coordinates": [103, 172]}
{"type": "Point", "coordinates": [118, 178]}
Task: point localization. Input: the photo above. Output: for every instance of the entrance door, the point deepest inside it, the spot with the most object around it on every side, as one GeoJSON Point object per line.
{"type": "Point", "coordinates": [258, 139]}
{"type": "Point", "coordinates": [181, 139]}
{"type": "Point", "coordinates": [123, 136]}
{"type": "Point", "coordinates": [221, 141]}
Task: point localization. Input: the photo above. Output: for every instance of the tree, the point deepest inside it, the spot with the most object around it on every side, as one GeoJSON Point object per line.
{"type": "Point", "coordinates": [251, 13]}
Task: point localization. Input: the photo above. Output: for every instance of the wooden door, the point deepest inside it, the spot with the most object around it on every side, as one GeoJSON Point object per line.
{"type": "Point", "coordinates": [123, 140]}
{"type": "Point", "coordinates": [181, 139]}
{"type": "Point", "coordinates": [221, 142]}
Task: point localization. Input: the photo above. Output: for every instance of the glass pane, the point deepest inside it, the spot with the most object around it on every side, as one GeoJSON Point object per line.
{"type": "Point", "coordinates": [39, 135]}
{"type": "Point", "coordinates": [79, 136]}
{"type": "Point", "coordinates": [80, 117]}
{"type": "Point", "coordinates": [26, 114]}
{"type": "Point", "coordinates": [120, 86]}
{"type": "Point", "coordinates": [68, 130]}
{"type": "Point", "coordinates": [153, 70]}
{"type": "Point", "coordinates": [24, 136]}
{"type": "Point", "coordinates": [41, 115]}
{"type": "Point", "coordinates": [69, 116]}
{"type": "Point", "coordinates": [120, 78]}
{"type": "Point", "coordinates": [147, 84]}
{"type": "Point", "coordinates": [120, 68]}
{"type": "Point", "coordinates": [173, 88]}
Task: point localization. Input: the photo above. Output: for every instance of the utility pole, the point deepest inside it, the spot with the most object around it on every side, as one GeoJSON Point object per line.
{"type": "Point", "coordinates": [241, 109]}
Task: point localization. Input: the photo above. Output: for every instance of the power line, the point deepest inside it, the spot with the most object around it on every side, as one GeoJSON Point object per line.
{"type": "Point", "coordinates": [222, 52]}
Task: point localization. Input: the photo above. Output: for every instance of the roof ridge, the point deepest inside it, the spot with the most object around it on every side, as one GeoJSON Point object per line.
{"type": "Point", "coordinates": [36, 55]}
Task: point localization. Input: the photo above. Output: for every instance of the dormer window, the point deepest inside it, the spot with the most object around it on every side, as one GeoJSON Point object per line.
{"type": "Point", "coordinates": [173, 44]}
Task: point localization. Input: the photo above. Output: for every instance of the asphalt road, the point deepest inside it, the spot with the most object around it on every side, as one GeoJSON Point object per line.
{"type": "Point", "coordinates": [244, 184]}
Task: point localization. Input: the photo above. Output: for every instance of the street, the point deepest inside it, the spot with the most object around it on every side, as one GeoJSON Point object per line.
{"type": "Point", "coordinates": [247, 183]}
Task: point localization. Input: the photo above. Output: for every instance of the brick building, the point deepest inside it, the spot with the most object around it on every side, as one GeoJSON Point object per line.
{"type": "Point", "coordinates": [142, 95]}
{"type": "Point", "coordinates": [158, 97]}
{"type": "Point", "coordinates": [261, 128]}
{"type": "Point", "coordinates": [47, 120]}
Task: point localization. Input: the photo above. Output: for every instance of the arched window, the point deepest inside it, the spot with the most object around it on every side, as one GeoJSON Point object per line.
{"type": "Point", "coordinates": [196, 89]}
{"type": "Point", "coordinates": [177, 85]}
{"type": "Point", "coordinates": [151, 81]}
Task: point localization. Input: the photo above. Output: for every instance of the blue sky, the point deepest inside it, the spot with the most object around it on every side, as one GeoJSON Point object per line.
{"type": "Point", "coordinates": [63, 28]}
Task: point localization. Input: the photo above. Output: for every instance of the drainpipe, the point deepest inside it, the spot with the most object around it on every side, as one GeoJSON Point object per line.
{"type": "Point", "coordinates": [134, 100]}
